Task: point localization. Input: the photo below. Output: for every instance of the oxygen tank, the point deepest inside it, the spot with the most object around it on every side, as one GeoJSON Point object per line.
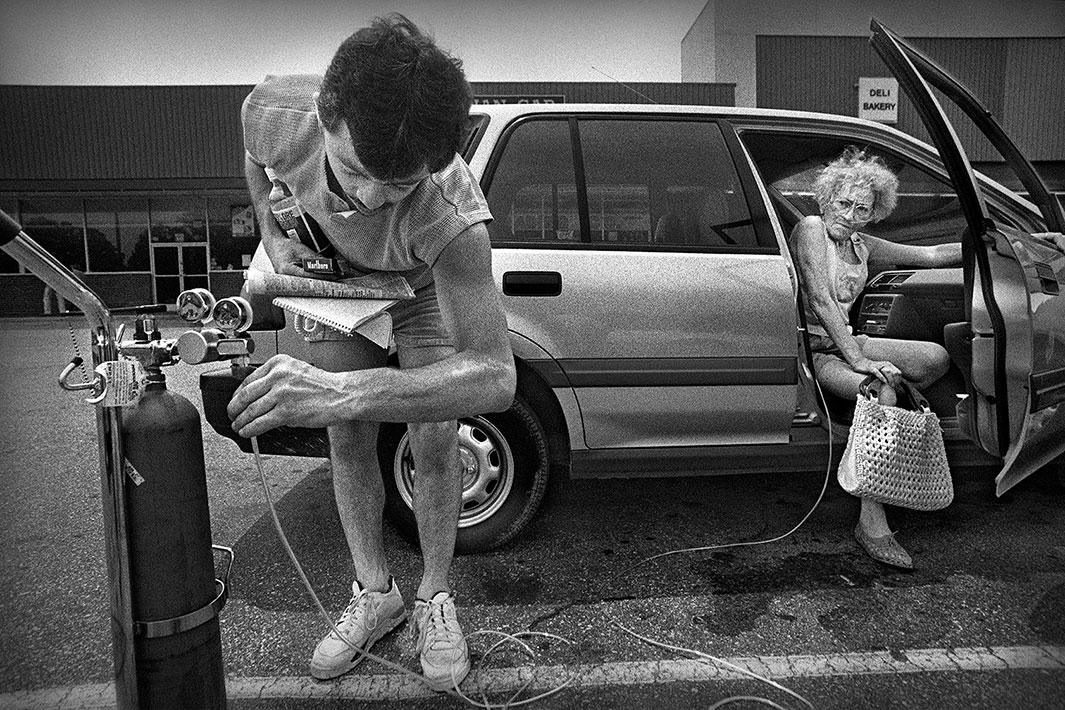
{"type": "Point", "coordinates": [175, 597]}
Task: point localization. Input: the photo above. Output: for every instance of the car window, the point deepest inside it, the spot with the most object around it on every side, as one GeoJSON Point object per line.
{"type": "Point", "coordinates": [649, 184]}
{"type": "Point", "coordinates": [663, 182]}
{"type": "Point", "coordinates": [533, 194]}
{"type": "Point", "coordinates": [928, 210]}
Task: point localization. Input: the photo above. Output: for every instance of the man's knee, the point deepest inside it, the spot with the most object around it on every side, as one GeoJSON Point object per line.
{"type": "Point", "coordinates": [353, 443]}
{"type": "Point", "coordinates": [433, 444]}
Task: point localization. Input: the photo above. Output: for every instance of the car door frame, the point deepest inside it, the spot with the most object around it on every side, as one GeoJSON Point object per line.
{"type": "Point", "coordinates": [917, 74]}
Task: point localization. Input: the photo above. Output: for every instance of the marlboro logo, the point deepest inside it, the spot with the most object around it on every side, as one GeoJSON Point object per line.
{"type": "Point", "coordinates": [320, 265]}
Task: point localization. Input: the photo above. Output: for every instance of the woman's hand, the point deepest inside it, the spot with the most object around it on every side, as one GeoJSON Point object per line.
{"type": "Point", "coordinates": [881, 369]}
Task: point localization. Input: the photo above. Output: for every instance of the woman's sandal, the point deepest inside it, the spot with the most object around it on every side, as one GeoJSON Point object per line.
{"type": "Point", "coordinates": [883, 549]}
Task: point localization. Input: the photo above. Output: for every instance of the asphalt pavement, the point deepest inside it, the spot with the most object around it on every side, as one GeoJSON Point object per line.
{"type": "Point", "coordinates": [979, 624]}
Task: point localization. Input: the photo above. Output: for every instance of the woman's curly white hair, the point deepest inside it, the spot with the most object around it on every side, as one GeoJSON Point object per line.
{"type": "Point", "coordinates": [856, 168]}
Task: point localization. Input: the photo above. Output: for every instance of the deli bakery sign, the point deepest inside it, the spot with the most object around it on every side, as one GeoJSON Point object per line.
{"type": "Point", "coordinates": [878, 99]}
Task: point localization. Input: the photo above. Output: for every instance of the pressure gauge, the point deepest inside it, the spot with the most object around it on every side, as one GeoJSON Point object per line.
{"type": "Point", "coordinates": [233, 314]}
{"type": "Point", "coordinates": [195, 305]}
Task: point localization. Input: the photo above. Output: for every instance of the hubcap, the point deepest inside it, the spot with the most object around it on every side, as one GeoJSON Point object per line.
{"type": "Point", "coordinates": [487, 466]}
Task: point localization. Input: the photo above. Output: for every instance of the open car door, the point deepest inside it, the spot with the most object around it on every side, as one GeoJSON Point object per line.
{"type": "Point", "coordinates": [1014, 282]}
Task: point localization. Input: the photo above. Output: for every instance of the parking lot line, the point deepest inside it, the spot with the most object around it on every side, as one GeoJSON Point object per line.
{"type": "Point", "coordinates": [508, 680]}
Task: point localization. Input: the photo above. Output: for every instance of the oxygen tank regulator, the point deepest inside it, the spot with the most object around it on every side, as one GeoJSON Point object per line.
{"type": "Point", "coordinates": [121, 383]}
{"type": "Point", "coordinates": [174, 596]}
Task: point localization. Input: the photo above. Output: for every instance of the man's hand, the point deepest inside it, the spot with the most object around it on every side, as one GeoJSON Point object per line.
{"type": "Point", "coordinates": [287, 256]}
{"type": "Point", "coordinates": [285, 391]}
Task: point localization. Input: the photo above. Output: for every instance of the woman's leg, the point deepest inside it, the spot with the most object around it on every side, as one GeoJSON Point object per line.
{"type": "Point", "coordinates": [839, 379]}
{"type": "Point", "coordinates": [921, 362]}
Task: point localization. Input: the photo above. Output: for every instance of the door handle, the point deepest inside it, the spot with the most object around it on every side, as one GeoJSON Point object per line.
{"type": "Point", "coordinates": [532, 283]}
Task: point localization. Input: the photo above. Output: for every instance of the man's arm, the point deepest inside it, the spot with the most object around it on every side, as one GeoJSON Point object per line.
{"type": "Point", "coordinates": [478, 377]}
{"type": "Point", "coordinates": [285, 254]}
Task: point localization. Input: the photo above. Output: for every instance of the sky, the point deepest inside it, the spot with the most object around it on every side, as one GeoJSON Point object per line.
{"type": "Point", "coordinates": [125, 42]}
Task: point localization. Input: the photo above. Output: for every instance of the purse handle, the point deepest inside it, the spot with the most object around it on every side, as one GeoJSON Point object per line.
{"type": "Point", "coordinates": [916, 400]}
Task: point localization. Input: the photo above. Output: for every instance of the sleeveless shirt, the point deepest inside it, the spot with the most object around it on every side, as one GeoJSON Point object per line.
{"type": "Point", "coordinates": [845, 279]}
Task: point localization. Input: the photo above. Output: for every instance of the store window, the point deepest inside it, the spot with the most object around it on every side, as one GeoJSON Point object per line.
{"type": "Point", "coordinates": [233, 233]}
{"type": "Point", "coordinates": [58, 225]}
{"type": "Point", "coordinates": [178, 219]}
{"type": "Point", "coordinates": [117, 232]}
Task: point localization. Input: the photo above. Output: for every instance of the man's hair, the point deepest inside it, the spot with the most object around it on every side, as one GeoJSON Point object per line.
{"type": "Point", "coordinates": [857, 168]}
{"type": "Point", "coordinates": [404, 100]}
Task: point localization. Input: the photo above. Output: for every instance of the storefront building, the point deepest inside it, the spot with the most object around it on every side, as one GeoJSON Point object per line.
{"type": "Point", "coordinates": [816, 57]}
{"type": "Point", "coordinates": [141, 188]}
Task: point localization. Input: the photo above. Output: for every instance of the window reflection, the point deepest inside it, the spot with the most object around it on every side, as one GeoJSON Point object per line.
{"type": "Point", "coordinates": [178, 219]}
{"type": "Point", "coordinates": [117, 230]}
{"type": "Point", "coordinates": [58, 225]}
{"type": "Point", "coordinates": [233, 233]}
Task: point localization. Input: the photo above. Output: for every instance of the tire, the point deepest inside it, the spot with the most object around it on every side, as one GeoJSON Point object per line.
{"type": "Point", "coordinates": [507, 467]}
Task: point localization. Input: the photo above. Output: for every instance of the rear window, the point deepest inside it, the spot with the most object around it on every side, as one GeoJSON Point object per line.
{"type": "Point", "coordinates": [633, 184]}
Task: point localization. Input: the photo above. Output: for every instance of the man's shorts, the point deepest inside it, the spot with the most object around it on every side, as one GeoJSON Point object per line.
{"type": "Point", "coordinates": [416, 323]}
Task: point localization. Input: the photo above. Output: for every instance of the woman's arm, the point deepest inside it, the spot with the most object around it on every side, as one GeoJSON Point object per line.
{"type": "Point", "coordinates": [881, 251]}
{"type": "Point", "coordinates": [810, 250]}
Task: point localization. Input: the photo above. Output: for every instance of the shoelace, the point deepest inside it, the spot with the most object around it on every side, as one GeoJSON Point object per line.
{"type": "Point", "coordinates": [357, 607]}
{"type": "Point", "coordinates": [432, 630]}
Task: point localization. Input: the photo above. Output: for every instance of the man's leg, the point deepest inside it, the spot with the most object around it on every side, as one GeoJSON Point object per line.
{"type": "Point", "coordinates": [357, 482]}
{"type": "Point", "coordinates": [360, 498]}
{"type": "Point", "coordinates": [442, 649]}
{"type": "Point", "coordinates": [437, 483]}
{"type": "Point", "coordinates": [376, 606]}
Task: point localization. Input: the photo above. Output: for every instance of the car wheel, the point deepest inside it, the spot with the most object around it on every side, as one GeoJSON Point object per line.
{"type": "Point", "coordinates": [505, 472]}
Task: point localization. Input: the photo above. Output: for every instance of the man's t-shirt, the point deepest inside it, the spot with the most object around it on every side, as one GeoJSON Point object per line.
{"type": "Point", "coordinates": [281, 132]}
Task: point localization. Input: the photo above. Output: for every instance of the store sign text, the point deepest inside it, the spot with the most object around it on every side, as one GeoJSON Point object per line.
{"type": "Point", "coordinates": [520, 99]}
{"type": "Point", "coordinates": [878, 99]}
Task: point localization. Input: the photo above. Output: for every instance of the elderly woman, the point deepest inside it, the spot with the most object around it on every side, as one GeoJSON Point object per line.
{"type": "Point", "coordinates": [833, 256]}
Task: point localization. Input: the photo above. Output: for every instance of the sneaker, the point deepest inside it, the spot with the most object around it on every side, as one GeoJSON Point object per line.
{"type": "Point", "coordinates": [439, 642]}
{"type": "Point", "coordinates": [368, 617]}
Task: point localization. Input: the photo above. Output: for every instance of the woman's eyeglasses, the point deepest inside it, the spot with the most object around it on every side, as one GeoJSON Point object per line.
{"type": "Point", "coordinates": [862, 212]}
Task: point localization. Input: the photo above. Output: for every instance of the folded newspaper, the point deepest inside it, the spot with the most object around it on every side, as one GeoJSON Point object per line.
{"type": "Point", "coordinates": [354, 305]}
{"type": "Point", "coordinates": [375, 285]}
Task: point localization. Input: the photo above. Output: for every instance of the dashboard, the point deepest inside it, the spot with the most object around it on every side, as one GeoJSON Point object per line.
{"type": "Point", "coordinates": [911, 305]}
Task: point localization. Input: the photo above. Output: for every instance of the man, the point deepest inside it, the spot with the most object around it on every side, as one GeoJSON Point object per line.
{"type": "Point", "coordinates": [370, 152]}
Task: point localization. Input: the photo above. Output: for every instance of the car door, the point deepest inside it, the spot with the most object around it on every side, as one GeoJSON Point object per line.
{"type": "Point", "coordinates": [1013, 278]}
{"type": "Point", "coordinates": [626, 249]}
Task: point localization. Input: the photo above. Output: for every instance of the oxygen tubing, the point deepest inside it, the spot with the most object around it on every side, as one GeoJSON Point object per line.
{"type": "Point", "coordinates": [454, 690]}
{"type": "Point", "coordinates": [516, 638]}
{"type": "Point", "coordinates": [713, 659]}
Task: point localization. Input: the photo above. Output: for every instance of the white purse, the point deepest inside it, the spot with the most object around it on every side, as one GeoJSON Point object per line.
{"type": "Point", "coordinates": [895, 455]}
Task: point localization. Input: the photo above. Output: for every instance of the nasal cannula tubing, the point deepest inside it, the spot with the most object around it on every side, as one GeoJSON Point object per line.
{"type": "Point", "coordinates": [454, 690]}
{"type": "Point", "coordinates": [516, 638]}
